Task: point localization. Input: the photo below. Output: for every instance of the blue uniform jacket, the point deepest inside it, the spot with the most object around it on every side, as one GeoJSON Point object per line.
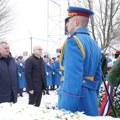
{"type": "Point", "coordinates": [52, 66]}
{"type": "Point", "coordinates": [21, 75]}
{"type": "Point", "coordinates": [78, 93]}
{"type": "Point", "coordinates": [48, 74]}
{"type": "Point", "coordinates": [57, 73]}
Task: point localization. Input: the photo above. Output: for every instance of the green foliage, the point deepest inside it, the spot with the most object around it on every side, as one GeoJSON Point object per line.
{"type": "Point", "coordinates": [101, 95]}
{"type": "Point", "coordinates": [114, 76]}
{"type": "Point", "coordinates": [116, 103]}
{"type": "Point", "coordinates": [104, 64]}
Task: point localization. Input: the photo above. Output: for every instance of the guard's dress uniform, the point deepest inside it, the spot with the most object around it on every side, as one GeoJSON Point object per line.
{"type": "Point", "coordinates": [48, 74]}
{"type": "Point", "coordinates": [81, 62]}
{"type": "Point", "coordinates": [21, 76]}
{"type": "Point", "coordinates": [52, 66]}
{"type": "Point", "coordinates": [57, 73]}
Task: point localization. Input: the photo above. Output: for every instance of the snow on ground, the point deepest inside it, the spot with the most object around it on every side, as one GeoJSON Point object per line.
{"type": "Point", "coordinates": [47, 110]}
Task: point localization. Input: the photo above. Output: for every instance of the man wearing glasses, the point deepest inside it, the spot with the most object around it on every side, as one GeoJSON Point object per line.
{"type": "Point", "coordinates": [35, 76]}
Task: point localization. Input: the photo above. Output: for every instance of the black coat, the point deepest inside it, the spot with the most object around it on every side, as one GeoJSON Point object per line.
{"type": "Point", "coordinates": [35, 74]}
{"type": "Point", "coordinates": [8, 80]}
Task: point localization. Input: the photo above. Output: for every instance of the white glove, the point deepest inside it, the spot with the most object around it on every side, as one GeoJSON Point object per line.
{"type": "Point", "coordinates": [31, 91]}
{"type": "Point", "coordinates": [20, 75]}
{"type": "Point", "coordinates": [53, 73]}
{"type": "Point", "coordinates": [48, 64]}
{"type": "Point", "coordinates": [21, 64]}
{"type": "Point", "coordinates": [60, 73]}
{"type": "Point", "coordinates": [47, 73]}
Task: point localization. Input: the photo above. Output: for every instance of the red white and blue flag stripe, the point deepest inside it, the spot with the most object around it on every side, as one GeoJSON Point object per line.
{"type": "Point", "coordinates": [105, 107]}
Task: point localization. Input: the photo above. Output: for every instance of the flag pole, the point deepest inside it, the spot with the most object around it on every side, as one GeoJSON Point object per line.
{"type": "Point", "coordinates": [109, 96]}
{"type": "Point", "coordinates": [103, 63]}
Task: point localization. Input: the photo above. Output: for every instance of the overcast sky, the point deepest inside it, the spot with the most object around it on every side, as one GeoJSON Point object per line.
{"type": "Point", "coordinates": [32, 19]}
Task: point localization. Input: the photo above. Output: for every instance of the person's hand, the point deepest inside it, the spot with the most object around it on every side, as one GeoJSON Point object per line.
{"type": "Point", "coordinates": [31, 91]}
{"type": "Point", "coordinates": [18, 94]}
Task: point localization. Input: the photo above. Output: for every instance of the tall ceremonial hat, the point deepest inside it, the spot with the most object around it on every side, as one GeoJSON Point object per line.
{"type": "Point", "coordinates": [78, 11]}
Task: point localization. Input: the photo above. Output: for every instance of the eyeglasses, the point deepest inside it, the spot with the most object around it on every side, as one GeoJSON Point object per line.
{"type": "Point", "coordinates": [39, 49]}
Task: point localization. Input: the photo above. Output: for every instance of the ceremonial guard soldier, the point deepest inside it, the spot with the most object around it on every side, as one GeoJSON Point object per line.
{"type": "Point", "coordinates": [57, 72]}
{"type": "Point", "coordinates": [52, 66]}
{"type": "Point", "coordinates": [21, 75]}
{"type": "Point", "coordinates": [80, 60]}
{"type": "Point", "coordinates": [48, 73]}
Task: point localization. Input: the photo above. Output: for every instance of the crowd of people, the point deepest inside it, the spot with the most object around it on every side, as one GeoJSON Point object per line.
{"type": "Point", "coordinates": [76, 73]}
{"type": "Point", "coordinates": [36, 75]}
{"type": "Point", "coordinates": [53, 72]}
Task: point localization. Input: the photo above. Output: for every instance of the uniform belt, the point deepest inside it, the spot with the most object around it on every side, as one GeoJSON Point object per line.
{"type": "Point", "coordinates": [89, 77]}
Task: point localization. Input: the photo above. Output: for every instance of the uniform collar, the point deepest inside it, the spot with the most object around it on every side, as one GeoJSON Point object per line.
{"type": "Point", "coordinates": [82, 31]}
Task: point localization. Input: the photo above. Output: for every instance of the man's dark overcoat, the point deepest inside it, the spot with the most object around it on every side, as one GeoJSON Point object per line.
{"type": "Point", "coordinates": [35, 74]}
{"type": "Point", "coordinates": [8, 80]}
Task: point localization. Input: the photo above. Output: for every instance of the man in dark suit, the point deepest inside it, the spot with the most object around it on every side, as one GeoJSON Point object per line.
{"type": "Point", "coordinates": [8, 75]}
{"type": "Point", "coordinates": [35, 76]}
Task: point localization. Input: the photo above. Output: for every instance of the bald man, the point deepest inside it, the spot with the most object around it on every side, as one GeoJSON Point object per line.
{"type": "Point", "coordinates": [35, 76]}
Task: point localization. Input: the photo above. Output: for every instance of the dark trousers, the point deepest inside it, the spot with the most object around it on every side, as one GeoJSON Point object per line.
{"type": "Point", "coordinates": [47, 90]}
{"type": "Point", "coordinates": [35, 98]}
{"type": "Point", "coordinates": [21, 91]}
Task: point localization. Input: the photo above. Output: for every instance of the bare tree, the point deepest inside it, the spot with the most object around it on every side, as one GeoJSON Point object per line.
{"type": "Point", "coordinates": [105, 24]}
{"type": "Point", "coordinates": [5, 18]}
{"type": "Point", "coordinates": [106, 21]}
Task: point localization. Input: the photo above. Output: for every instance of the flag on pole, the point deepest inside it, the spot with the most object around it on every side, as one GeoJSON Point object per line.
{"type": "Point", "coordinates": [105, 107]}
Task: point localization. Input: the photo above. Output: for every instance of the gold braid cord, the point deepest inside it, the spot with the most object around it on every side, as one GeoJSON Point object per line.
{"type": "Point", "coordinates": [62, 52]}
{"type": "Point", "coordinates": [61, 55]}
{"type": "Point", "coordinates": [80, 45]}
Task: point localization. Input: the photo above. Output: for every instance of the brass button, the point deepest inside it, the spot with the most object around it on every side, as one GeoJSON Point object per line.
{"type": "Point", "coordinates": [84, 81]}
